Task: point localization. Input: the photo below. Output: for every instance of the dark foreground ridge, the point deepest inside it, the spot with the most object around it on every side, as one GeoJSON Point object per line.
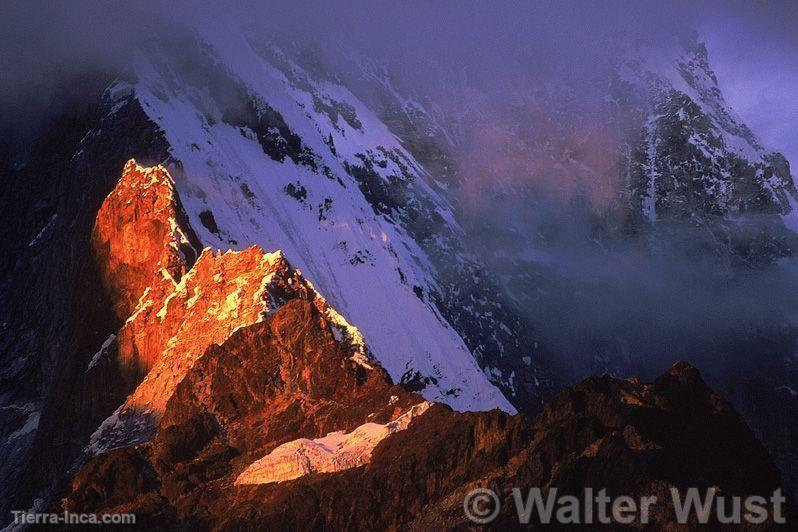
{"type": "Point", "coordinates": [628, 437]}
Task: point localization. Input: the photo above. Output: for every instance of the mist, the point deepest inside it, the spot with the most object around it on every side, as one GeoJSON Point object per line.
{"type": "Point", "coordinates": [635, 307]}
{"type": "Point", "coordinates": [495, 45]}
{"type": "Point", "coordinates": [598, 303]}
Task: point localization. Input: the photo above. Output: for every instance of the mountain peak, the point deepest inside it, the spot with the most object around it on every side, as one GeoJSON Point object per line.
{"type": "Point", "coordinates": [184, 306]}
{"type": "Point", "coordinates": [141, 229]}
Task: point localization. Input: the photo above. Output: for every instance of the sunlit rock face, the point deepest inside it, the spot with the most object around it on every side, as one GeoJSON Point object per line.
{"type": "Point", "coordinates": [254, 403]}
{"type": "Point", "coordinates": [214, 360]}
{"type": "Point", "coordinates": [174, 323]}
{"type": "Point", "coordinates": [53, 312]}
{"type": "Point", "coordinates": [141, 229]}
{"type": "Point", "coordinates": [184, 303]}
{"type": "Point", "coordinates": [240, 356]}
{"type": "Point", "coordinates": [274, 153]}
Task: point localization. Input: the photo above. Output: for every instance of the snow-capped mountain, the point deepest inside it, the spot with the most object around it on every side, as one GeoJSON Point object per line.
{"type": "Point", "coordinates": [695, 160]}
{"type": "Point", "coordinates": [250, 389]}
{"type": "Point", "coordinates": [364, 190]}
{"type": "Point", "coordinates": [651, 222]}
{"type": "Point", "coordinates": [636, 199]}
{"type": "Point", "coordinates": [249, 386]}
{"type": "Point", "coordinates": [262, 153]}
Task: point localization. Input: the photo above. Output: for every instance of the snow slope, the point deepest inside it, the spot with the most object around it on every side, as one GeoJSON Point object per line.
{"type": "Point", "coordinates": [261, 159]}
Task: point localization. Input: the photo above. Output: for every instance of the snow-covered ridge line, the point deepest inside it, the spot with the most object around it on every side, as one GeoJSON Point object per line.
{"type": "Point", "coordinates": [175, 321]}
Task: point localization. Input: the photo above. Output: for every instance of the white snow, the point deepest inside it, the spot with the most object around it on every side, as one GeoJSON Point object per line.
{"type": "Point", "coordinates": [142, 304]}
{"type": "Point", "coordinates": [120, 429]}
{"type": "Point", "coordinates": [32, 414]}
{"type": "Point", "coordinates": [650, 199]}
{"type": "Point", "coordinates": [670, 67]}
{"type": "Point", "coordinates": [30, 425]}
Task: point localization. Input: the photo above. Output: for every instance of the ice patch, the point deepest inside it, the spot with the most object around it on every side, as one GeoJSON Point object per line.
{"type": "Point", "coordinates": [335, 452]}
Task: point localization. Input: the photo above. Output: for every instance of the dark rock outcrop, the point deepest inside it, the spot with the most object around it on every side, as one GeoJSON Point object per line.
{"type": "Point", "coordinates": [627, 437]}
{"type": "Point", "coordinates": [53, 316]}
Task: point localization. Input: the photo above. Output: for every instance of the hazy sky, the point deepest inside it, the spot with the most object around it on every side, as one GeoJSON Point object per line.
{"type": "Point", "coordinates": [753, 45]}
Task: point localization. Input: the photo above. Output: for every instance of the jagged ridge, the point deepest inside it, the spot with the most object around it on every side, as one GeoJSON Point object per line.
{"type": "Point", "coordinates": [184, 303]}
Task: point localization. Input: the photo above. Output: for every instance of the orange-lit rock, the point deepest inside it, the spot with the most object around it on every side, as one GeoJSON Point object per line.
{"type": "Point", "coordinates": [184, 304]}
{"type": "Point", "coordinates": [675, 433]}
{"type": "Point", "coordinates": [259, 407]}
{"type": "Point", "coordinates": [141, 228]}
{"type": "Point", "coordinates": [172, 325]}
